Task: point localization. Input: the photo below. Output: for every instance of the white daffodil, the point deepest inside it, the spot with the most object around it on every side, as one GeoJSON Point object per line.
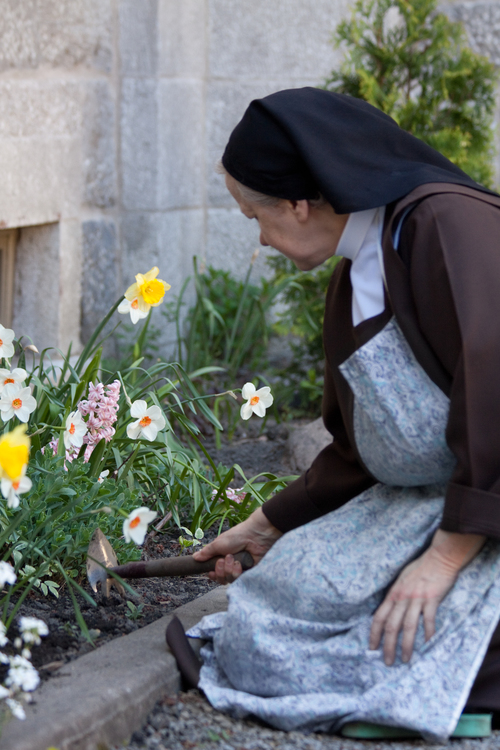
{"type": "Point", "coordinates": [135, 526]}
{"type": "Point", "coordinates": [7, 574]}
{"type": "Point", "coordinates": [103, 475]}
{"type": "Point", "coordinates": [75, 431]}
{"type": "Point", "coordinates": [16, 402]}
{"type": "Point", "coordinates": [147, 292]}
{"type": "Point", "coordinates": [6, 345]}
{"type": "Point", "coordinates": [149, 421]}
{"type": "Point", "coordinates": [12, 488]}
{"type": "Point", "coordinates": [32, 628]}
{"type": "Point", "coordinates": [256, 401]}
{"type": "Point", "coordinates": [132, 307]}
{"type": "Point", "coordinates": [16, 376]}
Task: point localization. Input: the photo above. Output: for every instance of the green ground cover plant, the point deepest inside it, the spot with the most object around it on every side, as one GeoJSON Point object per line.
{"type": "Point", "coordinates": [85, 444]}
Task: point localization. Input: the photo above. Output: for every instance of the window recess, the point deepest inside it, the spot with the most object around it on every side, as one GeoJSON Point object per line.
{"type": "Point", "coordinates": [8, 238]}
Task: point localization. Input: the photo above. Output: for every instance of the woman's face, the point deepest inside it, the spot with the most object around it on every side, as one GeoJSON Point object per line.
{"type": "Point", "coordinates": [306, 235]}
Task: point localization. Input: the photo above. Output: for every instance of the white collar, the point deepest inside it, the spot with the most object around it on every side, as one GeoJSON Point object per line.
{"type": "Point", "coordinates": [361, 243]}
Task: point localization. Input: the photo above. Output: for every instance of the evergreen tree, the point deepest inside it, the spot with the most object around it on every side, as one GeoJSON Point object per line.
{"type": "Point", "coordinates": [414, 64]}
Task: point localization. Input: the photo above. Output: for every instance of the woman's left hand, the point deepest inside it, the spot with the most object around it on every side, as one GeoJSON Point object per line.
{"type": "Point", "coordinates": [418, 590]}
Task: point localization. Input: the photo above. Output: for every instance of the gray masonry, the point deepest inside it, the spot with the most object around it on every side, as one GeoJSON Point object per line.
{"type": "Point", "coordinates": [113, 115]}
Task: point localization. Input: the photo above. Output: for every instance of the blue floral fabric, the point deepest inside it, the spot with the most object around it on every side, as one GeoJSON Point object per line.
{"type": "Point", "coordinates": [400, 415]}
{"type": "Point", "coordinates": [292, 648]}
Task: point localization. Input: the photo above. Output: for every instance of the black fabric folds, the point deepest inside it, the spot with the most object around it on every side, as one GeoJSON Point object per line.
{"type": "Point", "coordinates": [298, 142]}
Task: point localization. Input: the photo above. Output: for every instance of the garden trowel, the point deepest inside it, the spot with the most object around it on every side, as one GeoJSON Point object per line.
{"type": "Point", "coordinates": [100, 555]}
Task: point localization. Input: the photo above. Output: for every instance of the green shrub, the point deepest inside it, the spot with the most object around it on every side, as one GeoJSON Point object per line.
{"type": "Point", "coordinates": [414, 64]}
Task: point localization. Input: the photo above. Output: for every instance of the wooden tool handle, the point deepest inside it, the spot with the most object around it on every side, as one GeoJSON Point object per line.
{"type": "Point", "coordinates": [176, 566]}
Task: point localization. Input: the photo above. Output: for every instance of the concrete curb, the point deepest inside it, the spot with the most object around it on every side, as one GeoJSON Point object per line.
{"type": "Point", "coordinates": [101, 698]}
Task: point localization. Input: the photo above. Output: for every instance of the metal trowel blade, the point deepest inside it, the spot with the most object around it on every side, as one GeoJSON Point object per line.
{"type": "Point", "coordinates": [100, 553]}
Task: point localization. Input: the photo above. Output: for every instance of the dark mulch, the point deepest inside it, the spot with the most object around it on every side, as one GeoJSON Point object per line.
{"type": "Point", "coordinates": [112, 617]}
{"type": "Point", "coordinates": [155, 596]}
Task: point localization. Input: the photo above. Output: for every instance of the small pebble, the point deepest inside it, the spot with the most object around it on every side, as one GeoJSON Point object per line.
{"type": "Point", "coordinates": [190, 723]}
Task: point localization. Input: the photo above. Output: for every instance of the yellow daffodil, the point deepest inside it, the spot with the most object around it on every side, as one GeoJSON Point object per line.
{"type": "Point", "coordinates": [14, 453]}
{"type": "Point", "coordinates": [147, 292]}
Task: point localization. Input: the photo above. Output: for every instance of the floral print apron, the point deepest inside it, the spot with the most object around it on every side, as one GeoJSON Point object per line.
{"type": "Point", "coordinates": [292, 649]}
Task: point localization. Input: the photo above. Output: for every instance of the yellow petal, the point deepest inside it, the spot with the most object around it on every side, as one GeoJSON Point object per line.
{"type": "Point", "coordinates": [143, 305]}
{"type": "Point", "coordinates": [153, 291]}
{"type": "Point", "coordinates": [132, 292]}
{"type": "Point", "coordinates": [14, 452]}
{"type": "Point", "coordinates": [152, 274]}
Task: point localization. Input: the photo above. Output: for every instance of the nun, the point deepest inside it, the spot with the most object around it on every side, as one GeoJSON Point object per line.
{"type": "Point", "coordinates": [376, 593]}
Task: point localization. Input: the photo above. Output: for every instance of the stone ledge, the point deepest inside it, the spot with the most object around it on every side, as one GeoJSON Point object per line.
{"type": "Point", "coordinates": [99, 699]}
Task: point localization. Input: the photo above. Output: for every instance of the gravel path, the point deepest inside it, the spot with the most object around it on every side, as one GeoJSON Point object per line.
{"type": "Point", "coordinates": [187, 721]}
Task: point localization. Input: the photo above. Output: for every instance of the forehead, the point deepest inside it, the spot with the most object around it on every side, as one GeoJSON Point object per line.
{"type": "Point", "coordinates": [246, 207]}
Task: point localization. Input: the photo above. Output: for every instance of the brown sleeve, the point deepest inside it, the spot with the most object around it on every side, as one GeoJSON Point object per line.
{"type": "Point", "coordinates": [452, 248]}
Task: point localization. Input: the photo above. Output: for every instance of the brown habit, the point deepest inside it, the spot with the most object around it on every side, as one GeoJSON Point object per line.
{"type": "Point", "coordinates": [444, 290]}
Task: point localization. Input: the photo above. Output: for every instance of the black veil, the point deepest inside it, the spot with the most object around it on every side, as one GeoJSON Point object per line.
{"type": "Point", "coordinates": [298, 142]}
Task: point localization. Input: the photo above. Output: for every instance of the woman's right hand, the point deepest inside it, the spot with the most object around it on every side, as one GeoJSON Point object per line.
{"type": "Point", "coordinates": [255, 535]}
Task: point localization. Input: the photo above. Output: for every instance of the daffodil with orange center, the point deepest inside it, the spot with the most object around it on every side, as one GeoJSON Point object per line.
{"type": "Point", "coordinates": [257, 401]}
{"type": "Point", "coordinates": [147, 292]}
{"type": "Point", "coordinates": [135, 525]}
{"type": "Point", "coordinates": [6, 345]}
{"type": "Point", "coordinates": [75, 431]}
{"type": "Point", "coordinates": [12, 488]}
{"type": "Point", "coordinates": [17, 376]}
{"type": "Point", "coordinates": [16, 402]}
{"type": "Point", "coordinates": [148, 421]}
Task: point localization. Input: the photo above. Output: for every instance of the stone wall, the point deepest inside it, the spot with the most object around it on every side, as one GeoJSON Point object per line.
{"type": "Point", "coordinates": [113, 115]}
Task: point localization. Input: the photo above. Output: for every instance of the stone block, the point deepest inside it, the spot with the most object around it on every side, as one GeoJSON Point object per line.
{"type": "Point", "coordinates": [482, 24]}
{"type": "Point", "coordinates": [226, 102]}
{"type": "Point", "coordinates": [139, 143]}
{"type": "Point", "coordinates": [37, 285]}
{"type": "Point", "coordinates": [99, 274]}
{"type": "Point", "coordinates": [98, 700]}
{"type": "Point", "coordinates": [182, 37]}
{"type": "Point", "coordinates": [306, 442]}
{"type": "Point", "coordinates": [41, 180]}
{"type": "Point", "coordinates": [283, 38]}
{"type": "Point", "coordinates": [167, 240]}
{"type": "Point", "coordinates": [70, 284]}
{"type": "Point", "coordinates": [138, 37]}
{"type": "Point", "coordinates": [33, 107]}
{"type": "Point", "coordinates": [18, 34]}
{"type": "Point", "coordinates": [98, 145]}
{"type": "Point", "coordinates": [231, 241]}
{"type": "Point", "coordinates": [181, 130]}
{"type": "Point", "coordinates": [75, 32]}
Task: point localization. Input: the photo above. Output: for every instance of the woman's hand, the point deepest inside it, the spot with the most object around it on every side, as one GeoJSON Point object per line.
{"type": "Point", "coordinates": [256, 535]}
{"type": "Point", "coordinates": [419, 589]}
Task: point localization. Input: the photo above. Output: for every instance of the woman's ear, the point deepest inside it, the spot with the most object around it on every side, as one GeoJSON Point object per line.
{"type": "Point", "coordinates": [300, 209]}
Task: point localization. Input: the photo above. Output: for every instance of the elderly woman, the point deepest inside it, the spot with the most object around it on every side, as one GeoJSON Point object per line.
{"type": "Point", "coordinates": [377, 590]}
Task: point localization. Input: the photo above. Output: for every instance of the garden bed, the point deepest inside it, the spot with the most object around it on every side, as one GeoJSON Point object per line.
{"type": "Point", "coordinates": [156, 597]}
